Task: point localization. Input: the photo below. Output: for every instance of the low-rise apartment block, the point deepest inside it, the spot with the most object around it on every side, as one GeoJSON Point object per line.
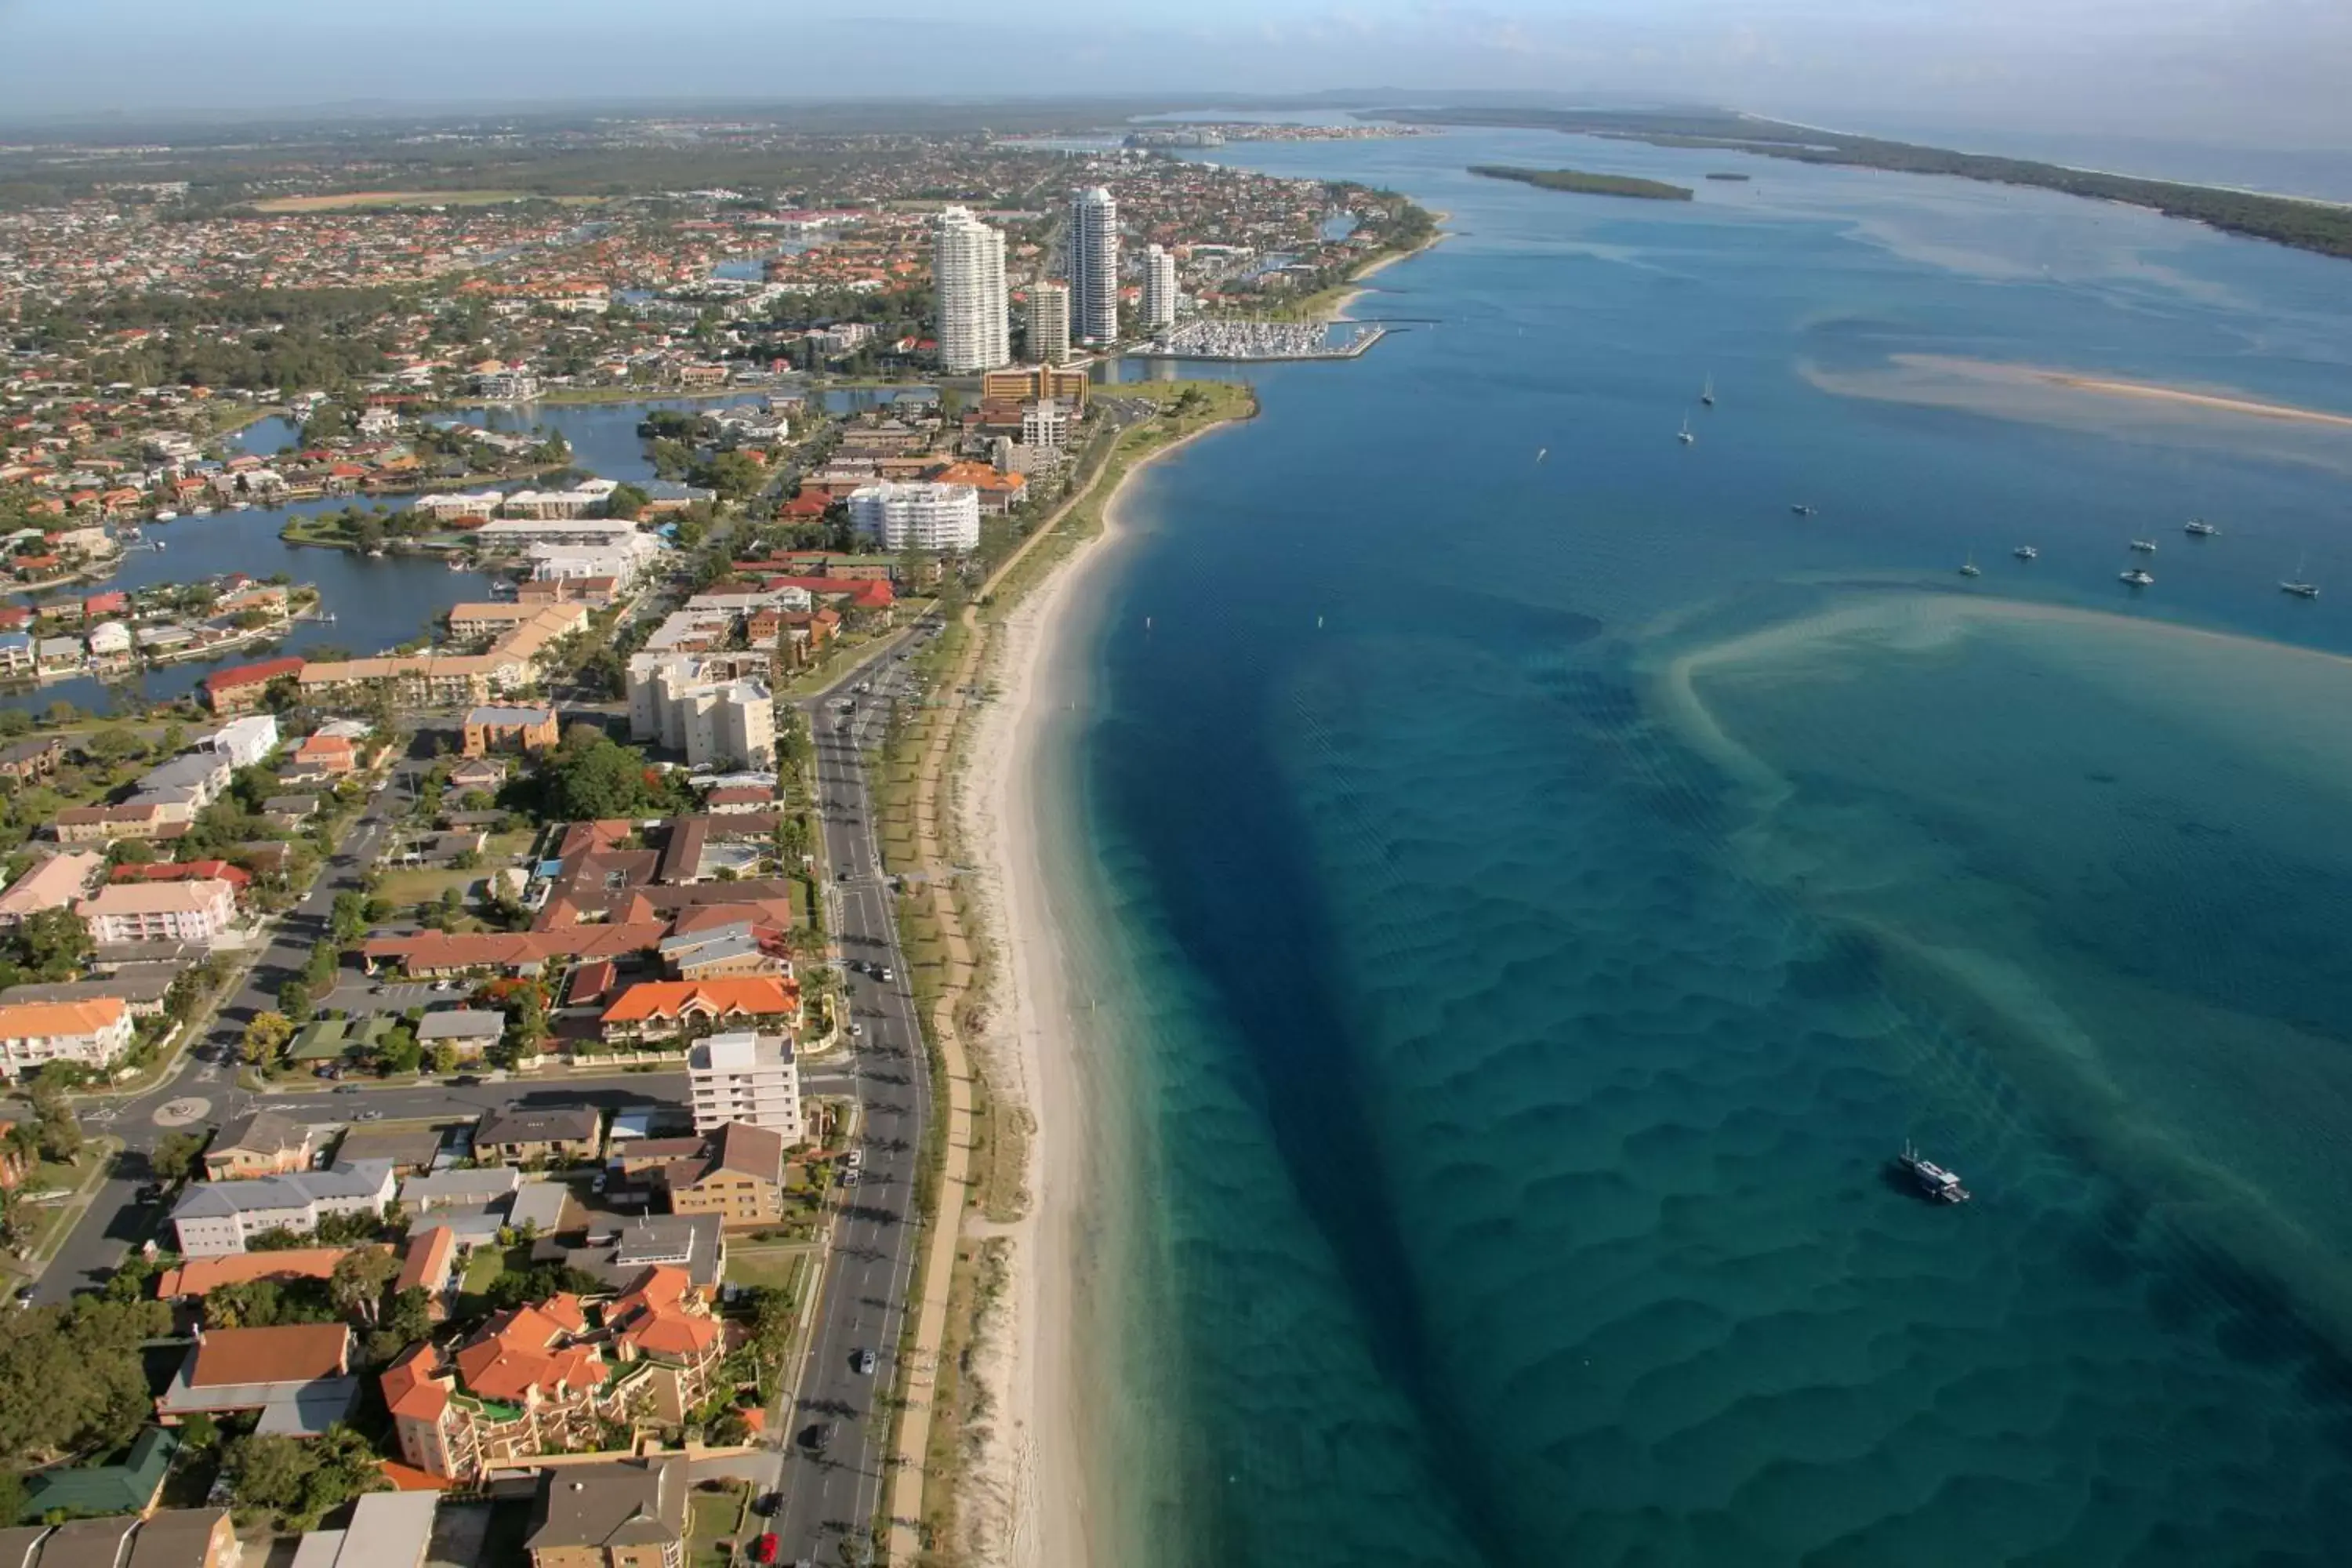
{"type": "Point", "coordinates": [199, 912]}
{"type": "Point", "coordinates": [92, 1033]}
{"type": "Point", "coordinates": [213, 1218]}
{"type": "Point", "coordinates": [495, 729]}
{"type": "Point", "coordinates": [745, 1077]}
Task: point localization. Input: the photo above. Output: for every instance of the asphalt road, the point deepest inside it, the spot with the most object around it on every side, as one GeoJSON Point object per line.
{"type": "Point", "coordinates": [833, 1495]}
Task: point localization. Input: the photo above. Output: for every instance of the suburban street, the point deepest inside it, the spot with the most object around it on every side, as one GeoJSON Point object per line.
{"type": "Point", "coordinates": [829, 1460]}
{"type": "Point", "coordinates": [207, 1070]}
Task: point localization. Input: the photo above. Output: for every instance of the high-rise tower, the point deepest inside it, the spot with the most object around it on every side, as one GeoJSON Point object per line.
{"type": "Point", "coordinates": [1094, 266]}
{"type": "Point", "coordinates": [1159, 288]}
{"type": "Point", "coordinates": [967, 278]}
{"type": "Point", "coordinates": [1049, 322]}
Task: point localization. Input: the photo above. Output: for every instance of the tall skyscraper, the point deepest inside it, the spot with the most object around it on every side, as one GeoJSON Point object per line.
{"type": "Point", "coordinates": [967, 278]}
{"type": "Point", "coordinates": [1094, 266]}
{"type": "Point", "coordinates": [1159, 288]}
{"type": "Point", "coordinates": [1049, 322]}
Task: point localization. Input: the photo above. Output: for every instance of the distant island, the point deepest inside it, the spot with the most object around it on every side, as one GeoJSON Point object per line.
{"type": "Point", "coordinates": [1588, 184]}
{"type": "Point", "coordinates": [2305, 225]}
{"type": "Point", "coordinates": [1731, 176]}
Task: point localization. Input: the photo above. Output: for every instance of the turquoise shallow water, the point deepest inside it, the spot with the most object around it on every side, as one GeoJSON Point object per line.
{"type": "Point", "coordinates": [1533, 900]}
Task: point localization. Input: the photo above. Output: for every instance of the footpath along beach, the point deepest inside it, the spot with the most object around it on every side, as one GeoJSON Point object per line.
{"type": "Point", "coordinates": [1021, 1481]}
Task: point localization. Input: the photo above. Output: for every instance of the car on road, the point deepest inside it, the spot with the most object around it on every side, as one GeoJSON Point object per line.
{"type": "Point", "coordinates": [765, 1548]}
{"type": "Point", "coordinates": [849, 1177]}
{"type": "Point", "coordinates": [856, 1160]}
{"type": "Point", "coordinates": [767, 1503]}
{"type": "Point", "coordinates": [347, 1088]}
{"type": "Point", "coordinates": [369, 1116]}
{"type": "Point", "coordinates": [817, 1437]}
{"type": "Point", "coordinates": [865, 1363]}
{"type": "Point", "coordinates": [884, 974]}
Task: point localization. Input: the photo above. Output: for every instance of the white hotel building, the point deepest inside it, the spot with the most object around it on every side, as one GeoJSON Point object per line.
{"type": "Point", "coordinates": [968, 274]}
{"type": "Point", "coordinates": [919, 514]}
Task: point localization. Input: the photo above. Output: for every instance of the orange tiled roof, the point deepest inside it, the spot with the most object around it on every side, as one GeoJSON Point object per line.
{"type": "Point", "coordinates": [758, 994]}
{"type": "Point", "coordinates": [517, 1354]}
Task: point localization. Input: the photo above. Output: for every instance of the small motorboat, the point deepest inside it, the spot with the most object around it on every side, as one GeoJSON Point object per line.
{"type": "Point", "coordinates": [2026, 552]}
{"type": "Point", "coordinates": [1935, 1182]}
{"type": "Point", "coordinates": [2145, 546]}
{"type": "Point", "coordinates": [2138, 578]}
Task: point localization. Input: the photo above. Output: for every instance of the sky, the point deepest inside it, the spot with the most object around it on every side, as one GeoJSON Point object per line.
{"type": "Point", "coordinates": [2256, 72]}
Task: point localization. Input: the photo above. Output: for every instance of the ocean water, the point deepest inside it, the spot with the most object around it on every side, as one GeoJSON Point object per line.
{"type": "Point", "coordinates": [1525, 904]}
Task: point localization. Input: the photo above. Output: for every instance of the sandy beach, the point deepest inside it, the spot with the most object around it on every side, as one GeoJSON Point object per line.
{"type": "Point", "coordinates": [1344, 311]}
{"type": "Point", "coordinates": [1026, 1500]}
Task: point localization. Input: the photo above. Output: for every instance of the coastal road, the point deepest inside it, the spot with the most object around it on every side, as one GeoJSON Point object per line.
{"type": "Point", "coordinates": [833, 1495]}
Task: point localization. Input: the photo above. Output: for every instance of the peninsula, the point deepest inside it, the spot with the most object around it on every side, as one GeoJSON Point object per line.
{"type": "Point", "coordinates": [1585, 183]}
{"type": "Point", "coordinates": [2295, 221]}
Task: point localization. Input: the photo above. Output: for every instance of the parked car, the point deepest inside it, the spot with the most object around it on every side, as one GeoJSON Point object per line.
{"type": "Point", "coordinates": [347, 1088]}
{"type": "Point", "coordinates": [767, 1503]}
{"type": "Point", "coordinates": [865, 1363]}
{"type": "Point", "coordinates": [764, 1550]}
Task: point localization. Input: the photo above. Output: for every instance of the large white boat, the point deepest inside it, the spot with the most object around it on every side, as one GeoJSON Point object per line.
{"type": "Point", "coordinates": [1935, 1182]}
{"type": "Point", "coordinates": [2138, 578]}
{"type": "Point", "coordinates": [2200, 529]}
{"type": "Point", "coordinates": [2026, 552]}
{"type": "Point", "coordinates": [2299, 585]}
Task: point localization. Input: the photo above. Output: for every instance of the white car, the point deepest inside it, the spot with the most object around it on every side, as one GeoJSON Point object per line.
{"type": "Point", "coordinates": [856, 1158]}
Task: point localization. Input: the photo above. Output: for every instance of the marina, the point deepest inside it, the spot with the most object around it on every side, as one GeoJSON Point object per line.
{"type": "Point", "coordinates": [1264, 341]}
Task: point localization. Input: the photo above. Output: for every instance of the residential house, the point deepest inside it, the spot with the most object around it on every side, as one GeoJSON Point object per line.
{"type": "Point", "coordinates": [129, 1486]}
{"type": "Point", "coordinates": [195, 779]}
{"type": "Point", "coordinates": [739, 1176]}
{"type": "Point", "coordinates": [199, 912]}
{"type": "Point", "coordinates": [429, 1264]}
{"type": "Point", "coordinates": [296, 1376]}
{"type": "Point", "coordinates": [319, 758]}
{"type": "Point", "coordinates": [526, 1135]}
{"type": "Point", "coordinates": [92, 1033]}
{"type": "Point", "coordinates": [260, 1144]}
{"type": "Point", "coordinates": [53, 884]}
{"type": "Point", "coordinates": [628, 1514]}
{"type": "Point", "coordinates": [141, 987]}
{"type": "Point", "coordinates": [388, 1530]}
{"type": "Point", "coordinates": [656, 1009]}
{"type": "Point", "coordinates": [471, 1030]}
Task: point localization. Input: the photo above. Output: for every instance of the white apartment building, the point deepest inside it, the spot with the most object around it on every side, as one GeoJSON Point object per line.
{"type": "Point", "coordinates": [587, 495]}
{"type": "Point", "coordinates": [215, 1217]}
{"type": "Point", "coordinates": [1049, 322]}
{"type": "Point", "coordinates": [967, 278]}
{"type": "Point", "coordinates": [745, 1077]}
{"type": "Point", "coordinates": [93, 1032]}
{"type": "Point", "coordinates": [1094, 266]}
{"type": "Point", "coordinates": [627, 558]}
{"type": "Point", "coordinates": [521, 532]}
{"type": "Point", "coordinates": [1046, 423]}
{"type": "Point", "coordinates": [1159, 302]}
{"type": "Point", "coordinates": [459, 503]}
{"type": "Point", "coordinates": [244, 742]}
{"type": "Point", "coordinates": [917, 514]}
{"type": "Point", "coordinates": [698, 707]}
{"type": "Point", "coordinates": [160, 911]}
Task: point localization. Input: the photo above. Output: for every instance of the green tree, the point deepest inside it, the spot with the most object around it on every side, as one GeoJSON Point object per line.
{"type": "Point", "coordinates": [358, 1282]}
{"type": "Point", "coordinates": [52, 943]}
{"type": "Point", "coordinates": [265, 1036]}
{"type": "Point", "coordinates": [175, 1155]}
{"type": "Point", "coordinates": [114, 745]}
{"type": "Point", "coordinates": [348, 921]}
{"type": "Point", "coordinates": [626, 501]}
{"type": "Point", "coordinates": [444, 1057]}
{"type": "Point", "coordinates": [299, 1481]}
{"type": "Point", "coordinates": [294, 1000]}
{"type": "Point", "coordinates": [70, 1377]}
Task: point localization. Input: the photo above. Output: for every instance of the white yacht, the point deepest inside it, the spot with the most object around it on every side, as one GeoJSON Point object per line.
{"type": "Point", "coordinates": [2200, 529]}
{"type": "Point", "coordinates": [2026, 552]}
{"type": "Point", "coordinates": [165, 516]}
{"type": "Point", "coordinates": [2299, 585]}
{"type": "Point", "coordinates": [1706, 394]}
{"type": "Point", "coordinates": [2138, 578]}
{"type": "Point", "coordinates": [2145, 546]}
{"type": "Point", "coordinates": [1685, 437]}
{"type": "Point", "coordinates": [1968, 568]}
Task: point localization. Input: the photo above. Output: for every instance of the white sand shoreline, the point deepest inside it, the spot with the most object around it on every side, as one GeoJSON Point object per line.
{"type": "Point", "coordinates": [1027, 1503]}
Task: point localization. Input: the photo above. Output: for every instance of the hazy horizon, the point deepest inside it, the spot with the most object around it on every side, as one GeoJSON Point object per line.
{"type": "Point", "coordinates": [2243, 72]}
